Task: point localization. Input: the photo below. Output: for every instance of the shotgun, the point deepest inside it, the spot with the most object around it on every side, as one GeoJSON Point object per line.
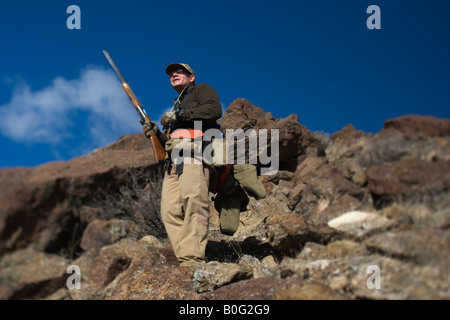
{"type": "Point", "coordinates": [158, 150]}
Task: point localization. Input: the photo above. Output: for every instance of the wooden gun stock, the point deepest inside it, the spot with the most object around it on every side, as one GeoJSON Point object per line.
{"type": "Point", "coordinates": [158, 150]}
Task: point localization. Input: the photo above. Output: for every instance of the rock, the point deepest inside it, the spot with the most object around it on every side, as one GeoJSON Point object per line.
{"type": "Point", "coordinates": [287, 232]}
{"type": "Point", "coordinates": [266, 267]}
{"type": "Point", "coordinates": [43, 206]}
{"type": "Point", "coordinates": [100, 233]}
{"type": "Point", "coordinates": [214, 275]}
{"type": "Point", "coordinates": [306, 290]}
{"type": "Point", "coordinates": [153, 241]}
{"type": "Point", "coordinates": [294, 138]}
{"type": "Point", "coordinates": [322, 263]}
{"type": "Point", "coordinates": [347, 143]}
{"type": "Point", "coordinates": [359, 223]}
{"type": "Point", "coordinates": [271, 288]}
{"type": "Point", "coordinates": [418, 245]}
{"type": "Point", "coordinates": [341, 249]}
{"type": "Point", "coordinates": [400, 180]}
{"type": "Point", "coordinates": [317, 186]}
{"type": "Point", "coordinates": [29, 274]}
{"type": "Point", "coordinates": [251, 289]}
{"type": "Point", "coordinates": [398, 279]}
{"type": "Point", "coordinates": [339, 206]}
{"type": "Point", "coordinates": [338, 282]}
{"type": "Point", "coordinates": [415, 126]}
{"type": "Point", "coordinates": [133, 270]}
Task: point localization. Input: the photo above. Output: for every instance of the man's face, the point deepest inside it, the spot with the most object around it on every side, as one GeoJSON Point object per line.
{"type": "Point", "coordinates": [180, 79]}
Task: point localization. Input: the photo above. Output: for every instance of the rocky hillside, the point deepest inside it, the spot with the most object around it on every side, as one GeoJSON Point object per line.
{"type": "Point", "coordinates": [349, 216]}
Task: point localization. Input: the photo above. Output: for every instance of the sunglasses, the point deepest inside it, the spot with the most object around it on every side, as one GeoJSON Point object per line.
{"type": "Point", "coordinates": [179, 71]}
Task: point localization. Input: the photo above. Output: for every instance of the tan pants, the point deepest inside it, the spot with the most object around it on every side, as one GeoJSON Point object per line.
{"type": "Point", "coordinates": [185, 211]}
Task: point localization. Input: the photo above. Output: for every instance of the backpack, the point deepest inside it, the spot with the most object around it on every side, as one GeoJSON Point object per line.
{"type": "Point", "coordinates": [232, 197]}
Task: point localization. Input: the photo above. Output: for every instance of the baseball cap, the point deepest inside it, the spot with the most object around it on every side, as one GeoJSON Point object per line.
{"type": "Point", "coordinates": [175, 66]}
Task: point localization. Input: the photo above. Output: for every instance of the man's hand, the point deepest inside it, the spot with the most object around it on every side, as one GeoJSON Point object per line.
{"type": "Point", "coordinates": [168, 118]}
{"type": "Point", "coordinates": [152, 126]}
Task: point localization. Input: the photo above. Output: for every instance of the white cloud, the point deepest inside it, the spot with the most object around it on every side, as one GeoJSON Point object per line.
{"type": "Point", "coordinates": [46, 115]}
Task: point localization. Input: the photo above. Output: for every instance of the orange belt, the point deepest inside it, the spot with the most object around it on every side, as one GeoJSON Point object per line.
{"type": "Point", "coordinates": [186, 133]}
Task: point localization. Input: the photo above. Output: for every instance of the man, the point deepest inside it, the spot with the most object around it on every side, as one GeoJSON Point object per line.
{"type": "Point", "coordinates": [185, 196]}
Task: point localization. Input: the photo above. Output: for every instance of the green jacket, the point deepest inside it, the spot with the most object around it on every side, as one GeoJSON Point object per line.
{"type": "Point", "coordinates": [202, 103]}
{"type": "Point", "coordinates": [197, 103]}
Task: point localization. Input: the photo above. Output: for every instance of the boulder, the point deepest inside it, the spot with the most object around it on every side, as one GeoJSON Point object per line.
{"type": "Point", "coordinates": [30, 274]}
{"type": "Point", "coordinates": [359, 223]}
{"type": "Point", "coordinates": [46, 206]}
{"type": "Point", "coordinates": [214, 275]}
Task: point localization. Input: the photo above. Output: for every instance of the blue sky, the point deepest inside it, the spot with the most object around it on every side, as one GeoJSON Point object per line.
{"type": "Point", "coordinates": [59, 98]}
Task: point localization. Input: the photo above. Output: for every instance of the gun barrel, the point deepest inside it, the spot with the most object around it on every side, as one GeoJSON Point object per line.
{"type": "Point", "coordinates": [113, 65]}
{"type": "Point", "coordinates": [126, 87]}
